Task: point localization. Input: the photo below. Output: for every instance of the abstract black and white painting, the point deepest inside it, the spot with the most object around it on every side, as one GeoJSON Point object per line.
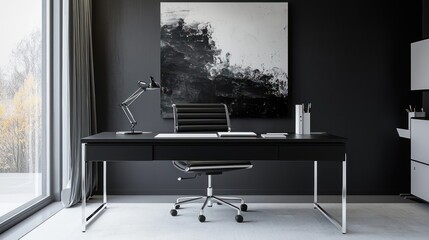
{"type": "Point", "coordinates": [232, 53]}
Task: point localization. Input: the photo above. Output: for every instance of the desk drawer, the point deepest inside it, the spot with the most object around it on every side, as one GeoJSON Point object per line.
{"type": "Point", "coordinates": [202, 152]}
{"type": "Point", "coordinates": [312, 152]}
{"type": "Point", "coordinates": [118, 152]}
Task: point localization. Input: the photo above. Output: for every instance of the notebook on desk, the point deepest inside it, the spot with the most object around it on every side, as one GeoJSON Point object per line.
{"type": "Point", "coordinates": [273, 135]}
{"type": "Point", "coordinates": [186, 135]}
{"type": "Point", "coordinates": [237, 134]}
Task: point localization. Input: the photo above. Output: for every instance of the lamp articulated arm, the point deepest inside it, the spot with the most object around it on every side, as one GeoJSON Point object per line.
{"type": "Point", "coordinates": [143, 87]}
{"type": "Point", "coordinates": [125, 104]}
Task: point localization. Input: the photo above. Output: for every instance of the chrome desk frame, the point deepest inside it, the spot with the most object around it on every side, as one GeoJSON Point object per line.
{"type": "Point", "coordinates": [93, 215]}
{"type": "Point", "coordinates": [342, 226]}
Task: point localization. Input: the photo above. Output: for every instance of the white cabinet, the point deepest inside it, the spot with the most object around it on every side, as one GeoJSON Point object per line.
{"type": "Point", "coordinates": [420, 180]}
{"type": "Point", "coordinates": [420, 158]}
{"type": "Point", "coordinates": [419, 68]}
{"type": "Point", "coordinates": [420, 140]}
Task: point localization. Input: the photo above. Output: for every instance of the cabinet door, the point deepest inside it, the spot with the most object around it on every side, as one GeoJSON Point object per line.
{"type": "Point", "coordinates": [420, 140]}
{"type": "Point", "coordinates": [420, 180]}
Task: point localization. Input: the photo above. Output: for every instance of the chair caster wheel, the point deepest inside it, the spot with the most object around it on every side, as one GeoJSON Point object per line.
{"type": "Point", "coordinates": [202, 218]}
{"type": "Point", "coordinates": [243, 207]}
{"type": "Point", "coordinates": [177, 206]}
{"type": "Point", "coordinates": [173, 212]}
{"type": "Point", "coordinates": [239, 218]}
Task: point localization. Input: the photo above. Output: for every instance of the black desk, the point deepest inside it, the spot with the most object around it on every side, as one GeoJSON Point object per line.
{"type": "Point", "coordinates": [108, 146]}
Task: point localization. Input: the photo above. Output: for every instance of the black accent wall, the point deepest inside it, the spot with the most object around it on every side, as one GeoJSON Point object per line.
{"type": "Point", "coordinates": [349, 58]}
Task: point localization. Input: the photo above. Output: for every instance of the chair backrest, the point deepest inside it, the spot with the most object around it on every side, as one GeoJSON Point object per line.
{"type": "Point", "coordinates": [201, 117]}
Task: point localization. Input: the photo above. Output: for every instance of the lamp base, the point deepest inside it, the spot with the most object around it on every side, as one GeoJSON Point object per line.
{"type": "Point", "coordinates": [130, 132]}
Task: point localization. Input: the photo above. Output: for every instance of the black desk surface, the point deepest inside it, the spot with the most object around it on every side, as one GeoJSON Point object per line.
{"type": "Point", "coordinates": [108, 146]}
{"type": "Point", "coordinates": [112, 137]}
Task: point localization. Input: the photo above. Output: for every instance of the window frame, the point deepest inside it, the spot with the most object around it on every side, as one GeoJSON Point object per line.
{"type": "Point", "coordinates": [52, 19]}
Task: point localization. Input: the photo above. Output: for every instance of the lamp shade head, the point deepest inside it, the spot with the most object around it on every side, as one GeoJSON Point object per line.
{"type": "Point", "coordinates": [153, 84]}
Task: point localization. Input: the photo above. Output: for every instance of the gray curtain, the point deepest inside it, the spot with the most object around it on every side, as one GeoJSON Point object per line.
{"type": "Point", "coordinates": [82, 96]}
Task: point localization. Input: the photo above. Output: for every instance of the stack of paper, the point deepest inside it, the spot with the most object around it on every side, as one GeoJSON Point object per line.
{"type": "Point", "coordinates": [186, 135]}
{"type": "Point", "coordinates": [237, 134]}
{"type": "Point", "coordinates": [274, 135]}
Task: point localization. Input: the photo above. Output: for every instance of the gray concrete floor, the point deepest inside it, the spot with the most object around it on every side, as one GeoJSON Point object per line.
{"type": "Point", "coordinates": [147, 217]}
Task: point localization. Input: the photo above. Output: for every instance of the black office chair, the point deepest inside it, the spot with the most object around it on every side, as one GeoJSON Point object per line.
{"type": "Point", "coordinates": [206, 118]}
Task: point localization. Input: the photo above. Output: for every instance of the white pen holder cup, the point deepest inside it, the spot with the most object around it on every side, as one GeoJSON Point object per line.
{"type": "Point", "coordinates": [299, 115]}
{"type": "Point", "coordinates": [306, 123]}
{"type": "Point", "coordinates": [414, 114]}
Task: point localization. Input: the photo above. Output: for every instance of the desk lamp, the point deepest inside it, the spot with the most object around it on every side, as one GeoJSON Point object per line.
{"type": "Point", "coordinates": [143, 87]}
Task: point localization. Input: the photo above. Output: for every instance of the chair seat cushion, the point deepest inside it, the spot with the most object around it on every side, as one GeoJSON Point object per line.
{"type": "Point", "coordinates": [208, 166]}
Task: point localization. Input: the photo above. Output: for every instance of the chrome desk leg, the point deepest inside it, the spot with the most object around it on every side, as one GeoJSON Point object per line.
{"type": "Point", "coordinates": [343, 225]}
{"type": "Point", "coordinates": [315, 183]}
{"type": "Point", "coordinates": [344, 196]}
{"type": "Point", "coordinates": [83, 186]}
{"type": "Point", "coordinates": [104, 183]}
{"type": "Point", "coordinates": [87, 220]}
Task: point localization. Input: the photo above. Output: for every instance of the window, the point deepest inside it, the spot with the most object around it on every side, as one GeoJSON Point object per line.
{"type": "Point", "coordinates": [24, 161]}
